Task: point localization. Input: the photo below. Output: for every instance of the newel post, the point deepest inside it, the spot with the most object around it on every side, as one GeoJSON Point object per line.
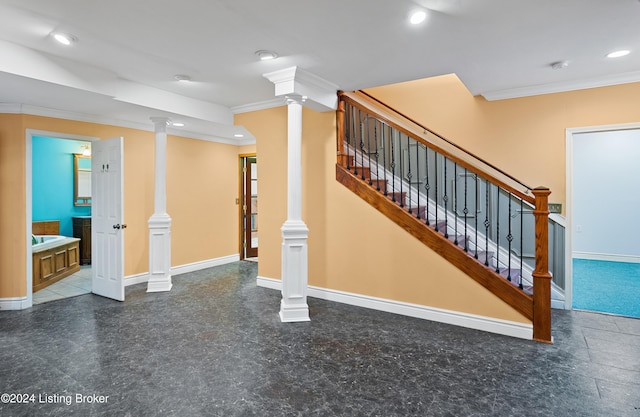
{"type": "Point", "coordinates": [541, 275]}
{"type": "Point", "coordinates": [340, 124]}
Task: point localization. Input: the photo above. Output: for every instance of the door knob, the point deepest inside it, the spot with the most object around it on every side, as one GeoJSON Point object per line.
{"type": "Point", "coordinates": [116, 226]}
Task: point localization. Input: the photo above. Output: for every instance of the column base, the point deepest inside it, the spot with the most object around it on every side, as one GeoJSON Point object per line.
{"type": "Point", "coordinates": [293, 306]}
{"type": "Point", "coordinates": [159, 253]}
{"type": "Point", "coordinates": [159, 284]}
{"type": "Point", "coordinates": [293, 313]}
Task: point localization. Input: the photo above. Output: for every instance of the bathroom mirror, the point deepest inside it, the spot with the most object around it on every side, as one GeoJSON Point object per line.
{"type": "Point", "coordinates": [82, 180]}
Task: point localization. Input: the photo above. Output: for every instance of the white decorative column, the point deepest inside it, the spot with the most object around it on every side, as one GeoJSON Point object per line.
{"type": "Point", "coordinates": [293, 306]}
{"type": "Point", "coordinates": [160, 221]}
{"type": "Point", "coordinates": [298, 87]}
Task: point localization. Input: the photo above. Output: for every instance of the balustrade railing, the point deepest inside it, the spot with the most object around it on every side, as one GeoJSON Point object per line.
{"type": "Point", "coordinates": [494, 218]}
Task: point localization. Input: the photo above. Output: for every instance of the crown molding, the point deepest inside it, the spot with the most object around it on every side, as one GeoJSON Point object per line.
{"type": "Point", "coordinates": [10, 108]}
{"type": "Point", "coordinates": [260, 105]}
{"type": "Point", "coordinates": [561, 87]}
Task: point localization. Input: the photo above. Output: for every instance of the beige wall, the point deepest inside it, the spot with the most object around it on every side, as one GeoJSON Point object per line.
{"type": "Point", "coordinates": [525, 136]}
{"type": "Point", "coordinates": [271, 127]}
{"type": "Point", "coordinates": [352, 247]}
{"type": "Point", "coordinates": [202, 185]}
{"type": "Point", "coordinates": [12, 210]}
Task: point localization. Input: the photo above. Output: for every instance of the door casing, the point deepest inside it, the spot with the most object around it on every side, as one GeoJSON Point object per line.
{"type": "Point", "coordinates": [30, 133]}
{"type": "Point", "coordinates": [241, 201]}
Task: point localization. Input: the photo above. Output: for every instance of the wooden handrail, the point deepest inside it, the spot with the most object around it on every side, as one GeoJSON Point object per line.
{"type": "Point", "coordinates": [400, 125]}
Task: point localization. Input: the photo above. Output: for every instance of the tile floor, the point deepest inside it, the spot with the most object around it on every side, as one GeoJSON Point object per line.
{"type": "Point", "coordinates": [73, 285]}
{"type": "Point", "coordinates": [214, 346]}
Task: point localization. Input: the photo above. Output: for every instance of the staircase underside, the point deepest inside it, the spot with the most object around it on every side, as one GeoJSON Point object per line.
{"type": "Point", "coordinates": [464, 261]}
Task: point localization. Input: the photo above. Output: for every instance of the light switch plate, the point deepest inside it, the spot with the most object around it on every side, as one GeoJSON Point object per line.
{"type": "Point", "coordinates": [555, 208]}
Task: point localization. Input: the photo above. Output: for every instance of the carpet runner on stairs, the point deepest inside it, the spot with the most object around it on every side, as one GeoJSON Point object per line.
{"type": "Point", "coordinates": [513, 275]}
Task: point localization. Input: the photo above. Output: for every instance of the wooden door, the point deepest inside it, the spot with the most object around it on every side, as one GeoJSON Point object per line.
{"type": "Point", "coordinates": [250, 206]}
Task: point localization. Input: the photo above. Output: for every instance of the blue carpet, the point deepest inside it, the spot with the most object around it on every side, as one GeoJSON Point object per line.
{"type": "Point", "coordinates": [607, 287]}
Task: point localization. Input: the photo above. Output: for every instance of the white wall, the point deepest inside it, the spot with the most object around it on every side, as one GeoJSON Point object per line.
{"type": "Point", "coordinates": [606, 195]}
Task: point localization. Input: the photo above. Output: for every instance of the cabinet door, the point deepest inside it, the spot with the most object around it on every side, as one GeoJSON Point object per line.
{"type": "Point", "coordinates": [60, 259]}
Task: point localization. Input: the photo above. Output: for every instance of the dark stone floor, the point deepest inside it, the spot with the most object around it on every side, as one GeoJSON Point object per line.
{"type": "Point", "coordinates": [214, 346]}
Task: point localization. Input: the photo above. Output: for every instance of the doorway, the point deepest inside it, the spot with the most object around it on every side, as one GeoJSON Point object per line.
{"type": "Point", "coordinates": [111, 149]}
{"type": "Point", "coordinates": [48, 200]}
{"type": "Point", "coordinates": [248, 207]}
{"type": "Point", "coordinates": [601, 194]}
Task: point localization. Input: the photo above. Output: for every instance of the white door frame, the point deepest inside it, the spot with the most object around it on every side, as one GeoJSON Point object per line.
{"type": "Point", "coordinates": [568, 290]}
{"type": "Point", "coordinates": [28, 300]}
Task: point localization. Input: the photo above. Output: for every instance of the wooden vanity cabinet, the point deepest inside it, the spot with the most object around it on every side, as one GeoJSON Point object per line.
{"type": "Point", "coordinates": [82, 230]}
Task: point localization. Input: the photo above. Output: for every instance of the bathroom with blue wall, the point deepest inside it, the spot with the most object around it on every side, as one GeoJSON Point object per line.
{"type": "Point", "coordinates": [53, 182]}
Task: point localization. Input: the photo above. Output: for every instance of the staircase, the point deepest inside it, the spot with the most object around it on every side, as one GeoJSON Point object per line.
{"type": "Point", "coordinates": [448, 201]}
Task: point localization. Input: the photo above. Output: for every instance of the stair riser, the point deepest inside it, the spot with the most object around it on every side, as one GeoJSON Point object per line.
{"type": "Point", "coordinates": [345, 160]}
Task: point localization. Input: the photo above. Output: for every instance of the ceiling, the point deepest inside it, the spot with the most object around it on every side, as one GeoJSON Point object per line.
{"type": "Point", "coordinates": [121, 69]}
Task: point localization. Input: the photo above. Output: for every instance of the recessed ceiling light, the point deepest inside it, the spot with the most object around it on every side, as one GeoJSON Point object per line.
{"type": "Point", "coordinates": [618, 54]}
{"type": "Point", "coordinates": [238, 135]}
{"type": "Point", "coordinates": [177, 124]}
{"type": "Point", "coordinates": [64, 38]}
{"type": "Point", "coordinates": [559, 65]}
{"type": "Point", "coordinates": [265, 55]}
{"type": "Point", "coordinates": [417, 17]}
{"type": "Point", "coordinates": [182, 77]}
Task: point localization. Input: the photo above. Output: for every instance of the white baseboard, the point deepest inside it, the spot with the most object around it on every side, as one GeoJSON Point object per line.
{"type": "Point", "coordinates": [136, 279]}
{"type": "Point", "coordinates": [183, 269]}
{"type": "Point", "coordinates": [472, 321]}
{"type": "Point", "coordinates": [209, 263]}
{"type": "Point", "coordinates": [14, 303]}
{"type": "Point", "coordinates": [271, 283]}
{"type": "Point", "coordinates": [607, 257]}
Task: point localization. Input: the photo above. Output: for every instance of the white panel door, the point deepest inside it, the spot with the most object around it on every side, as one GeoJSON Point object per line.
{"type": "Point", "coordinates": [107, 234]}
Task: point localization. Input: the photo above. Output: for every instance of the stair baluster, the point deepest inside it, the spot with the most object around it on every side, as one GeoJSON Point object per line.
{"type": "Point", "coordinates": [377, 154]}
{"type": "Point", "coordinates": [521, 239]}
{"type": "Point", "coordinates": [509, 239]}
{"type": "Point", "coordinates": [475, 215]}
{"type": "Point", "coordinates": [427, 186]}
{"type": "Point", "coordinates": [445, 201]}
{"type": "Point", "coordinates": [498, 229]}
{"type": "Point", "coordinates": [486, 223]}
{"type": "Point", "coordinates": [435, 191]}
{"type": "Point", "coordinates": [393, 165]}
{"type": "Point", "coordinates": [418, 209]}
{"type": "Point", "coordinates": [409, 173]}
{"type": "Point", "coordinates": [455, 201]}
{"type": "Point", "coordinates": [465, 211]}
{"type": "Point", "coordinates": [369, 145]}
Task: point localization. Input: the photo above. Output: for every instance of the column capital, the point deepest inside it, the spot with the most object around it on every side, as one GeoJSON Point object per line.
{"type": "Point", "coordinates": [295, 99]}
{"type": "Point", "coordinates": [160, 123]}
{"type": "Point", "coordinates": [294, 81]}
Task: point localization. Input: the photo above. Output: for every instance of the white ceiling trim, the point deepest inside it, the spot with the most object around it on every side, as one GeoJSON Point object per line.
{"type": "Point", "coordinates": [25, 62]}
{"type": "Point", "coordinates": [561, 87]}
{"type": "Point", "coordinates": [260, 105]}
{"type": "Point", "coordinates": [12, 108]}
